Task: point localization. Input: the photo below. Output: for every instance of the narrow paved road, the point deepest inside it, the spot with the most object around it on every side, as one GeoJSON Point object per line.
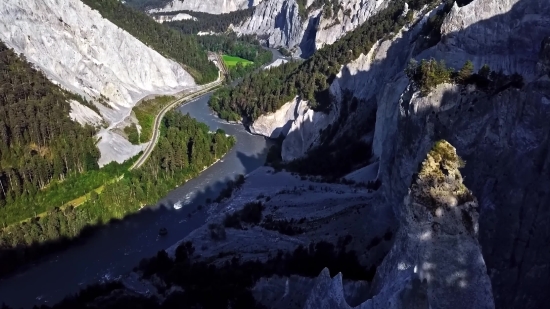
{"type": "Point", "coordinates": [158, 119]}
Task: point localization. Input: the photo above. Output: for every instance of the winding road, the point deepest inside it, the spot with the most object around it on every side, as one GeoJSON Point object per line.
{"type": "Point", "coordinates": [156, 127]}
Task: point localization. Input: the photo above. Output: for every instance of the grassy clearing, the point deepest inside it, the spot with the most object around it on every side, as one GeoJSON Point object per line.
{"type": "Point", "coordinates": [72, 191]}
{"type": "Point", "coordinates": [146, 112]}
{"type": "Point", "coordinates": [231, 61]}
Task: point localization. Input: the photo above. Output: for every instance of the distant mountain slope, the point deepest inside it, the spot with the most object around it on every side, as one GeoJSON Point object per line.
{"type": "Point", "coordinates": [87, 54]}
{"type": "Point", "coordinates": [172, 44]}
{"type": "Point", "coordinates": [207, 6]}
{"type": "Point", "coordinates": [308, 25]}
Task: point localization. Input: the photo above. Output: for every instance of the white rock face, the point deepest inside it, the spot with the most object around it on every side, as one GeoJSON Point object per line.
{"type": "Point", "coordinates": [280, 22]}
{"type": "Point", "coordinates": [86, 54]}
{"type": "Point", "coordinates": [168, 18]}
{"type": "Point", "coordinates": [83, 114]}
{"type": "Point", "coordinates": [114, 147]}
{"type": "Point", "coordinates": [277, 123]}
{"type": "Point", "coordinates": [207, 6]}
{"type": "Point", "coordinates": [304, 132]}
{"type": "Point", "coordinates": [275, 63]}
{"type": "Point", "coordinates": [506, 35]}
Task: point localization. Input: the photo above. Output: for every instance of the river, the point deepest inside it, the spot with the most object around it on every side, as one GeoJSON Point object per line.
{"type": "Point", "coordinates": [115, 249]}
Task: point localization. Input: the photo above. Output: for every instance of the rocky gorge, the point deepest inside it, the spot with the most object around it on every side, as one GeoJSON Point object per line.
{"type": "Point", "coordinates": [461, 216]}
{"type": "Point", "coordinates": [499, 132]}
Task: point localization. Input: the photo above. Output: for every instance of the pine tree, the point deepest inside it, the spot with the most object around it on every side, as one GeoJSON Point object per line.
{"type": "Point", "coordinates": [465, 72]}
{"type": "Point", "coordinates": [484, 71]}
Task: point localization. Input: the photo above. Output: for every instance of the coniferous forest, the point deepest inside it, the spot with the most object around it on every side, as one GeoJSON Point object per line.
{"type": "Point", "coordinates": [39, 143]}
{"type": "Point", "coordinates": [267, 91]}
{"type": "Point", "coordinates": [171, 43]}
{"type": "Point", "coordinates": [184, 148]}
{"type": "Point", "coordinates": [218, 23]}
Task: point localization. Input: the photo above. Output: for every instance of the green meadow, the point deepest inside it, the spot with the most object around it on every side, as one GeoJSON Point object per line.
{"type": "Point", "coordinates": [231, 61]}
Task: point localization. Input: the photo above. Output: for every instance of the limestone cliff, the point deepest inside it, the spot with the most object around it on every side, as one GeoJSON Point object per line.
{"type": "Point", "coordinates": [168, 18]}
{"type": "Point", "coordinates": [280, 23]}
{"type": "Point", "coordinates": [270, 125]}
{"type": "Point", "coordinates": [86, 54]}
{"type": "Point", "coordinates": [208, 6]}
{"type": "Point", "coordinates": [502, 135]}
{"type": "Point", "coordinates": [436, 260]}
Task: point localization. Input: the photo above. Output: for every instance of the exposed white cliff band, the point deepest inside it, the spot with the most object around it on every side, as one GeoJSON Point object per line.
{"type": "Point", "coordinates": [274, 124]}
{"type": "Point", "coordinates": [168, 18]}
{"type": "Point", "coordinates": [207, 6]}
{"type": "Point", "coordinates": [86, 54]}
{"type": "Point", "coordinates": [83, 114]}
{"type": "Point", "coordinates": [281, 22]}
{"type": "Point", "coordinates": [275, 63]}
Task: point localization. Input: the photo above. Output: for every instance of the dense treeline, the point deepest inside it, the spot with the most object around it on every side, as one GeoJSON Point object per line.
{"type": "Point", "coordinates": [229, 283]}
{"type": "Point", "coordinates": [268, 91]}
{"type": "Point", "coordinates": [244, 47]}
{"type": "Point", "coordinates": [208, 22]}
{"type": "Point", "coordinates": [169, 42]}
{"type": "Point", "coordinates": [263, 92]}
{"type": "Point", "coordinates": [39, 143]}
{"type": "Point", "coordinates": [143, 5]}
{"type": "Point", "coordinates": [184, 148]}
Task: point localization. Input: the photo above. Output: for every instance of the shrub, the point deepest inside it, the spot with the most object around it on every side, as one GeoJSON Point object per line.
{"type": "Point", "coordinates": [484, 71]}
{"type": "Point", "coordinates": [217, 231]}
{"type": "Point", "coordinates": [466, 72]}
{"type": "Point", "coordinates": [439, 178]}
{"type": "Point", "coordinates": [428, 74]}
{"type": "Point", "coordinates": [232, 221]}
{"type": "Point", "coordinates": [252, 212]}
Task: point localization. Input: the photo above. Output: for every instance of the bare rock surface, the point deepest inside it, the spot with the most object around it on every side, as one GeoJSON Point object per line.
{"type": "Point", "coordinates": [207, 6]}
{"type": "Point", "coordinates": [280, 22]}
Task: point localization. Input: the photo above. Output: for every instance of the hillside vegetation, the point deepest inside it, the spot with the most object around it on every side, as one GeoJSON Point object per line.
{"type": "Point", "coordinates": [145, 112]}
{"type": "Point", "coordinates": [267, 91]}
{"type": "Point", "coordinates": [184, 148]}
{"type": "Point", "coordinates": [183, 49]}
{"type": "Point", "coordinates": [205, 22]}
{"type": "Point", "coordinates": [40, 146]}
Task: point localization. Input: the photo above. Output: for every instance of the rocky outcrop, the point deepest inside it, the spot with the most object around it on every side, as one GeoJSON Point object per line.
{"type": "Point", "coordinates": [274, 124]}
{"type": "Point", "coordinates": [168, 18]}
{"type": "Point", "coordinates": [503, 136]}
{"type": "Point", "coordinates": [299, 124]}
{"type": "Point", "coordinates": [496, 33]}
{"type": "Point", "coordinates": [544, 56]}
{"type": "Point", "coordinates": [208, 6]}
{"type": "Point", "coordinates": [305, 132]}
{"type": "Point", "coordinates": [280, 22]}
{"type": "Point", "coordinates": [275, 63]}
{"type": "Point", "coordinates": [83, 114]}
{"type": "Point", "coordinates": [436, 260]}
{"type": "Point", "coordinates": [86, 54]}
